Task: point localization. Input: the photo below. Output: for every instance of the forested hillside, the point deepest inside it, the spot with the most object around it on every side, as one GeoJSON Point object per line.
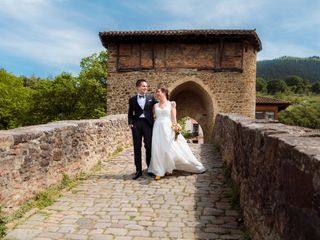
{"type": "Point", "coordinates": [296, 80]}
{"type": "Point", "coordinates": [280, 68]}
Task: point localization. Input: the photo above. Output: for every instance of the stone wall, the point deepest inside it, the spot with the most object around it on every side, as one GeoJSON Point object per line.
{"type": "Point", "coordinates": [278, 170]}
{"type": "Point", "coordinates": [35, 157]}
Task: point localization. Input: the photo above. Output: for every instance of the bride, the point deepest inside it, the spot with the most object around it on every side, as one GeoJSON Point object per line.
{"type": "Point", "coordinates": [168, 154]}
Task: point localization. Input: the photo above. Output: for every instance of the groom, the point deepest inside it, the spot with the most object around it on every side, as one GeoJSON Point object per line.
{"type": "Point", "coordinates": [140, 119]}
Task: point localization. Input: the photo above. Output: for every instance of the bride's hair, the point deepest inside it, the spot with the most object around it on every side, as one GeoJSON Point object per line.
{"type": "Point", "coordinates": [164, 90]}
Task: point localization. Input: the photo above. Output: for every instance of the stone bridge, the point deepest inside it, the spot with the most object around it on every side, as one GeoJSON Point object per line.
{"type": "Point", "coordinates": [110, 205]}
{"type": "Point", "coordinates": [275, 166]}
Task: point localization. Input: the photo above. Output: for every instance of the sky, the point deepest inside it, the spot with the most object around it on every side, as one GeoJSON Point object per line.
{"type": "Point", "coordinates": [47, 37]}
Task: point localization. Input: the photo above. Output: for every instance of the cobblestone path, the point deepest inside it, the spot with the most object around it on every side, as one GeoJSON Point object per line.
{"type": "Point", "coordinates": [110, 205]}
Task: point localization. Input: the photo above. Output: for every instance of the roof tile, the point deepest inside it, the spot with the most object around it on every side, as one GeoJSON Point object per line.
{"type": "Point", "coordinates": [109, 36]}
{"type": "Point", "coordinates": [268, 100]}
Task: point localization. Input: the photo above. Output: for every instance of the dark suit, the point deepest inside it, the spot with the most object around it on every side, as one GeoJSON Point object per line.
{"type": "Point", "coordinates": [142, 127]}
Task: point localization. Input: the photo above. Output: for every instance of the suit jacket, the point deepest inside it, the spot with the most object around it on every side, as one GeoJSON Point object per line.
{"type": "Point", "coordinates": [135, 110]}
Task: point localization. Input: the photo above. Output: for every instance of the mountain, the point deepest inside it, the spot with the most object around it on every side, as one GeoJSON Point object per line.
{"type": "Point", "coordinates": [280, 68]}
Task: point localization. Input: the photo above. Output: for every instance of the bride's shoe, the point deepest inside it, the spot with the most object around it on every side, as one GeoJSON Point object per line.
{"type": "Point", "coordinates": [157, 178]}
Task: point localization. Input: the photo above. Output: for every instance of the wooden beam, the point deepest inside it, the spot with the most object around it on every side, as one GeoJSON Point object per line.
{"type": "Point", "coordinates": [118, 55]}
{"type": "Point", "coordinates": [165, 55]}
{"type": "Point", "coordinates": [221, 52]}
{"type": "Point", "coordinates": [216, 56]}
{"type": "Point", "coordinates": [134, 69]}
{"type": "Point", "coordinates": [242, 51]}
{"type": "Point", "coordinates": [152, 48]}
{"type": "Point", "coordinates": [140, 53]}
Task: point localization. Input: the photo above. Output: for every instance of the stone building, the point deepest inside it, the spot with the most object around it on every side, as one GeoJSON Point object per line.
{"type": "Point", "coordinates": [206, 71]}
{"type": "Point", "coordinates": [269, 108]}
{"type": "Point", "coordinates": [196, 131]}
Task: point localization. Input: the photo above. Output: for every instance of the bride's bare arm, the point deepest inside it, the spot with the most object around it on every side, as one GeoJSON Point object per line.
{"type": "Point", "coordinates": [154, 110]}
{"type": "Point", "coordinates": [173, 112]}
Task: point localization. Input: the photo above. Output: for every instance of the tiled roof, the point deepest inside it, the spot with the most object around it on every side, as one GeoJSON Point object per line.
{"type": "Point", "coordinates": [272, 101]}
{"type": "Point", "coordinates": [204, 33]}
{"type": "Point", "coordinates": [177, 32]}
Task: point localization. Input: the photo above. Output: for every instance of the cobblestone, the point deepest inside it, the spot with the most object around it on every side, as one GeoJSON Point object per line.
{"type": "Point", "coordinates": [110, 205]}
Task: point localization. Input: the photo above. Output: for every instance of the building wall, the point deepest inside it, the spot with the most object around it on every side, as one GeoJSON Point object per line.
{"type": "Point", "coordinates": [268, 108]}
{"type": "Point", "coordinates": [199, 94]}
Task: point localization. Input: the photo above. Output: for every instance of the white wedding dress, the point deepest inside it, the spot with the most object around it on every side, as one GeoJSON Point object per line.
{"type": "Point", "coordinates": [168, 154]}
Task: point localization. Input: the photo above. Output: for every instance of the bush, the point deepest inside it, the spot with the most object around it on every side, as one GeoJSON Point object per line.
{"type": "Point", "coordinates": [304, 114]}
{"type": "Point", "coordinates": [261, 85]}
{"type": "Point", "coordinates": [316, 88]}
{"type": "Point", "coordinates": [14, 100]}
{"type": "Point", "coordinates": [3, 222]}
{"type": "Point", "coordinates": [277, 86]}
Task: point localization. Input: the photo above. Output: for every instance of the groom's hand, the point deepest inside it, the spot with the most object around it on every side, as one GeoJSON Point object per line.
{"type": "Point", "coordinates": [131, 125]}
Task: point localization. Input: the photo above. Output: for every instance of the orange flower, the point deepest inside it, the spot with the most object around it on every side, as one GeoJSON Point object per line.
{"type": "Point", "coordinates": [177, 129]}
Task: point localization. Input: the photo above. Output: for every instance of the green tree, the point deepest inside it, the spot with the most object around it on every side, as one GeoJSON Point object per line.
{"type": "Point", "coordinates": [93, 85]}
{"type": "Point", "coordinates": [54, 99]}
{"type": "Point", "coordinates": [304, 114]}
{"type": "Point", "coordinates": [316, 88]}
{"type": "Point", "coordinates": [261, 85]}
{"type": "Point", "coordinates": [40, 103]}
{"type": "Point", "coordinates": [69, 97]}
{"type": "Point", "coordinates": [187, 134]}
{"type": "Point", "coordinates": [95, 67]}
{"type": "Point", "coordinates": [31, 100]}
{"type": "Point", "coordinates": [91, 99]}
{"type": "Point", "coordinates": [30, 81]}
{"type": "Point", "coordinates": [14, 100]}
{"type": "Point", "coordinates": [276, 86]}
{"type": "Point", "coordinates": [296, 84]}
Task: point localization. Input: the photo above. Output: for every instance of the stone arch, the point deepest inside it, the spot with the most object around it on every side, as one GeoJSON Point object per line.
{"type": "Point", "coordinates": [195, 100]}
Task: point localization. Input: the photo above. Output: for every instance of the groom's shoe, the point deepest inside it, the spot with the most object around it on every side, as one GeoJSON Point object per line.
{"type": "Point", "coordinates": [137, 175]}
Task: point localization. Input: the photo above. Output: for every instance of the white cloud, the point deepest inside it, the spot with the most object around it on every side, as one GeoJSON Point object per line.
{"type": "Point", "coordinates": [52, 32]}
{"type": "Point", "coordinates": [209, 9]}
{"type": "Point", "coordinates": [278, 49]}
{"type": "Point", "coordinates": [56, 48]}
{"type": "Point", "coordinates": [306, 23]}
{"type": "Point", "coordinates": [40, 31]}
{"type": "Point", "coordinates": [218, 13]}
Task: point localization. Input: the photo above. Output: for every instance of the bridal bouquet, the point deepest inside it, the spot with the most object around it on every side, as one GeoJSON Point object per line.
{"type": "Point", "coordinates": [177, 130]}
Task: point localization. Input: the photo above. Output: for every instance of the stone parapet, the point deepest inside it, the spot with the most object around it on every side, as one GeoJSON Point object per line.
{"type": "Point", "coordinates": [277, 168]}
{"type": "Point", "coordinates": [35, 157]}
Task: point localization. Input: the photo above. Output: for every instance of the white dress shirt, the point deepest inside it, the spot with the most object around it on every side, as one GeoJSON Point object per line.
{"type": "Point", "coordinates": [141, 102]}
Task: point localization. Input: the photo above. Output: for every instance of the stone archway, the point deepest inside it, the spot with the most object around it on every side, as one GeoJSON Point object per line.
{"type": "Point", "coordinates": [194, 100]}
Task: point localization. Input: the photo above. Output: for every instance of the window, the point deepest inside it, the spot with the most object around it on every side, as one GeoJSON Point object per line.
{"type": "Point", "coordinates": [270, 115]}
{"type": "Point", "coordinates": [195, 130]}
{"type": "Point", "coordinates": [265, 115]}
{"type": "Point", "coordinates": [259, 115]}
